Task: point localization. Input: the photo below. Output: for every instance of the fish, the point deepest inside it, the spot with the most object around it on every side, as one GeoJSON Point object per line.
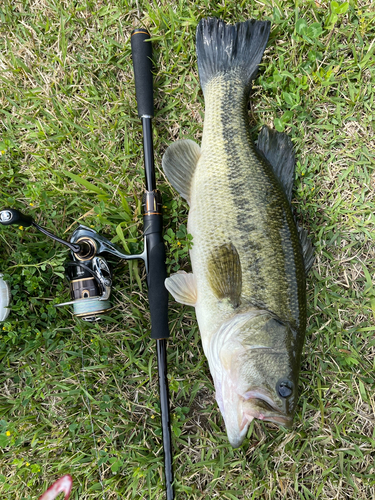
{"type": "Point", "coordinates": [62, 485]}
{"type": "Point", "coordinates": [249, 258]}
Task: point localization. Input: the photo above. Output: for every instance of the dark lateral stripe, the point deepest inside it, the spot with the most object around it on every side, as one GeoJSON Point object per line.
{"type": "Point", "coordinates": [267, 233]}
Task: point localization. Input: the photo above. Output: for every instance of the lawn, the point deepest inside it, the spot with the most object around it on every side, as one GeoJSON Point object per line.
{"type": "Point", "coordinates": [83, 399]}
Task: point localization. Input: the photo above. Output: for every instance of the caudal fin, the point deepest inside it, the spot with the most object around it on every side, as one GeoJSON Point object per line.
{"type": "Point", "coordinates": [222, 48]}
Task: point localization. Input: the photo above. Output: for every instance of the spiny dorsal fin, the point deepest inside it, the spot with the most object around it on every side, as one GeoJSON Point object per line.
{"type": "Point", "coordinates": [225, 274]}
{"type": "Point", "coordinates": [183, 288]}
{"type": "Point", "coordinates": [307, 248]}
{"type": "Point", "coordinates": [179, 162]}
{"type": "Point", "coordinates": [277, 148]}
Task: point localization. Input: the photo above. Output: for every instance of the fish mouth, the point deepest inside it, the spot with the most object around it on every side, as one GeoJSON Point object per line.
{"type": "Point", "coordinates": [239, 410]}
{"type": "Point", "coordinates": [261, 406]}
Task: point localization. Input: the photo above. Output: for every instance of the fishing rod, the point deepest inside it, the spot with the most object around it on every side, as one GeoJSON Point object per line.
{"type": "Point", "coordinates": [153, 227]}
{"type": "Point", "coordinates": [88, 271]}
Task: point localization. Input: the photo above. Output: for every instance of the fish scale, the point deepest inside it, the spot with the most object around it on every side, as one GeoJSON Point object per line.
{"type": "Point", "coordinates": [248, 284]}
{"type": "Point", "coordinates": [252, 211]}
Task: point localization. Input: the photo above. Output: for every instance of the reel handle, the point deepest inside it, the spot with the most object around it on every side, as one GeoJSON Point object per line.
{"type": "Point", "coordinates": [10, 216]}
{"type": "Point", "coordinates": [142, 63]}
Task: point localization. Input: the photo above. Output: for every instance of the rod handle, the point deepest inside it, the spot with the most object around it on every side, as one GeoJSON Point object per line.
{"type": "Point", "coordinates": [142, 64]}
{"type": "Point", "coordinates": [157, 293]}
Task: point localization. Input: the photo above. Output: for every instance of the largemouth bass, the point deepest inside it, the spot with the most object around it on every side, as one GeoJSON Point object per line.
{"type": "Point", "coordinates": [249, 259]}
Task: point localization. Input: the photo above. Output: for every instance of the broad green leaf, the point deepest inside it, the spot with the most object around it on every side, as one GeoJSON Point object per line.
{"type": "Point", "coordinates": [342, 8]}
{"type": "Point", "coordinates": [279, 125]}
{"type": "Point", "coordinates": [315, 30]}
{"type": "Point", "coordinates": [86, 184]}
{"type": "Point", "coordinates": [4, 440]}
{"type": "Point", "coordinates": [287, 116]}
{"type": "Point", "coordinates": [288, 98]}
{"type": "Point", "coordinates": [301, 26]}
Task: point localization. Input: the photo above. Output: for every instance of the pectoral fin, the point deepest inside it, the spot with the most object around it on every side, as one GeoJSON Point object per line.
{"type": "Point", "coordinates": [183, 288]}
{"type": "Point", "coordinates": [225, 274]}
{"type": "Point", "coordinates": [179, 162]}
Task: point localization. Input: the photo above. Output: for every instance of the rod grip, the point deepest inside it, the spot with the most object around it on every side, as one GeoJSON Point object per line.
{"type": "Point", "coordinates": [142, 64]}
{"type": "Point", "coordinates": [157, 293]}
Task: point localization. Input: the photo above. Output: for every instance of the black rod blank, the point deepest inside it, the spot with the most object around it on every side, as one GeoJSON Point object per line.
{"type": "Point", "coordinates": [165, 417]}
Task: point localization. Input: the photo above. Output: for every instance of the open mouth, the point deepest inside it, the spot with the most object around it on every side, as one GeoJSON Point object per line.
{"type": "Point", "coordinates": [262, 407]}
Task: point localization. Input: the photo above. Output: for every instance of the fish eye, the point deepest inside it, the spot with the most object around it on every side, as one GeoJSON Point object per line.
{"type": "Point", "coordinates": [284, 388]}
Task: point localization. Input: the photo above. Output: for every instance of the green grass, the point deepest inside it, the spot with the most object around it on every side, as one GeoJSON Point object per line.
{"type": "Point", "coordinates": [67, 107]}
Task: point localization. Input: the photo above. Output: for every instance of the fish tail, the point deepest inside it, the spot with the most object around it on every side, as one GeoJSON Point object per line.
{"type": "Point", "coordinates": [223, 48]}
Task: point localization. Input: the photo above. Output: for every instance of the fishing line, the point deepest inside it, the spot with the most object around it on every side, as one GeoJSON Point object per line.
{"type": "Point", "coordinates": [88, 406]}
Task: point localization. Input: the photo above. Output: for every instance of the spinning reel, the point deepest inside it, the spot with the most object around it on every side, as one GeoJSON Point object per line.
{"type": "Point", "coordinates": [88, 272]}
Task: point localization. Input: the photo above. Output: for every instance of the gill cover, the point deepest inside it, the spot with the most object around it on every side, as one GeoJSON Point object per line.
{"type": "Point", "coordinates": [255, 375]}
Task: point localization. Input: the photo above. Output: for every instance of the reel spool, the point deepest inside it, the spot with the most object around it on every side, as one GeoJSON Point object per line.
{"type": "Point", "coordinates": [88, 272]}
{"type": "Point", "coordinates": [4, 299]}
{"type": "Point", "coordinates": [90, 288]}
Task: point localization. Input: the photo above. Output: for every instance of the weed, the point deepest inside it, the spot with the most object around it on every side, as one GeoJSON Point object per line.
{"type": "Point", "coordinates": [83, 399]}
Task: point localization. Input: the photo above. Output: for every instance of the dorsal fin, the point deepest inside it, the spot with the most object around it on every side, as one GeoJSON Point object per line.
{"type": "Point", "coordinates": [179, 162]}
{"type": "Point", "coordinates": [307, 248]}
{"type": "Point", "coordinates": [277, 148]}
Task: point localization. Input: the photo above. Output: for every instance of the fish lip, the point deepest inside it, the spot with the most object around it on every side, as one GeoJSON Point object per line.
{"type": "Point", "coordinates": [279, 419]}
{"type": "Point", "coordinates": [273, 414]}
